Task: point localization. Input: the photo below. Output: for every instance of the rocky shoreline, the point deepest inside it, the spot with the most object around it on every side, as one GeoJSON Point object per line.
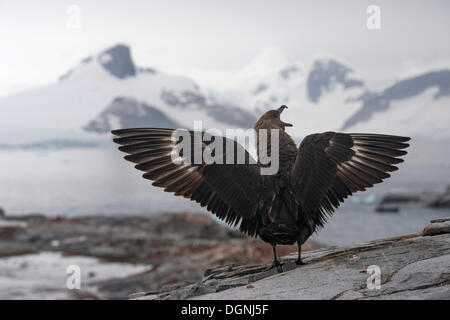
{"type": "Point", "coordinates": [176, 247]}
{"type": "Point", "coordinates": [191, 256]}
{"type": "Point", "coordinates": [426, 199]}
{"type": "Point", "coordinates": [414, 266]}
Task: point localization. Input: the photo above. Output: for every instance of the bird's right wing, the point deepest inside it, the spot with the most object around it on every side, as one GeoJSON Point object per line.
{"type": "Point", "coordinates": [230, 191]}
{"type": "Point", "coordinates": [331, 166]}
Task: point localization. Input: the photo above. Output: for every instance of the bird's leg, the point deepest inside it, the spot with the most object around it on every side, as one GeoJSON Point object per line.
{"type": "Point", "coordinates": [299, 260]}
{"type": "Point", "coordinates": [276, 262]}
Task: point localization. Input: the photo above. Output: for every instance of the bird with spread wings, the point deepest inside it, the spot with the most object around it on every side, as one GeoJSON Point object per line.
{"type": "Point", "coordinates": [284, 208]}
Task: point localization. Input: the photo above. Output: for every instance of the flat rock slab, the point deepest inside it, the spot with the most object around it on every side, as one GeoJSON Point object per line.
{"type": "Point", "coordinates": [409, 267]}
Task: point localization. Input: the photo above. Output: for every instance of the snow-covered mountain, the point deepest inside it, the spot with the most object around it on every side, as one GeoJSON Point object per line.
{"type": "Point", "coordinates": [109, 91]}
{"type": "Point", "coordinates": [418, 106]}
{"type": "Point", "coordinates": [319, 98]}
{"type": "Point", "coordinates": [329, 95]}
{"type": "Point", "coordinates": [266, 82]}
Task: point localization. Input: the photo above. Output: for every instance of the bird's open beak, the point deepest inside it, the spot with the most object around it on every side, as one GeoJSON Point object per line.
{"type": "Point", "coordinates": [280, 109]}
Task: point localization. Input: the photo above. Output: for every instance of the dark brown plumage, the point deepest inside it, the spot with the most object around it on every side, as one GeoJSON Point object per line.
{"type": "Point", "coordinates": [283, 208]}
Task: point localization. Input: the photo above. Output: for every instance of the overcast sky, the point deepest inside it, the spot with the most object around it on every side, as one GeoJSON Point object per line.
{"type": "Point", "coordinates": [195, 37]}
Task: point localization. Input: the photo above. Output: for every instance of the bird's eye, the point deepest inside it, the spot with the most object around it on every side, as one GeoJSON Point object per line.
{"type": "Point", "coordinates": [275, 115]}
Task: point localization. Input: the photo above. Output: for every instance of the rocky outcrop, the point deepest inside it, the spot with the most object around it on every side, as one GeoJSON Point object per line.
{"type": "Point", "coordinates": [117, 60]}
{"type": "Point", "coordinates": [125, 112]}
{"type": "Point", "coordinates": [227, 114]}
{"type": "Point", "coordinates": [413, 266]}
{"type": "Point", "coordinates": [327, 74]}
{"type": "Point", "coordinates": [441, 200]}
{"type": "Point", "coordinates": [428, 199]}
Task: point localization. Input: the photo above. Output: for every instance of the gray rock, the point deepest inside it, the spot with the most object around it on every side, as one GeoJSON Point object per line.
{"type": "Point", "coordinates": [183, 99]}
{"type": "Point", "coordinates": [9, 248]}
{"type": "Point", "coordinates": [260, 88]}
{"type": "Point", "coordinates": [400, 198]}
{"type": "Point", "coordinates": [437, 227]}
{"type": "Point", "coordinates": [147, 70]}
{"type": "Point", "coordinates": [441, 200]}
{"type": "Point", "coordinates": [129, 113]}
{"type": "Point", "coordinates": [350, 295]}
{"type": "Point", "coordinates": [436, 293]}
{"type": "Point", "coordinates": [325, 75]}
{"type": "Point", "coordinates": [231, 115]}
{"type": "Point", "coordinates": [222, 113]}
{"type": "Point", "coordinates": [420, 274]}
{"type": "Point", "coordinates": [429, 199]}
{"type": "Point", "coordinates": [287, 72]}
{"type": "Point", "coordinates": [411, 267]}
{"type": "Point", "coordinates": [86, 60]}
{"type": "Point", "coordinates": [65, 75]}
{"type": "Point", "coordinates": [117, 60]}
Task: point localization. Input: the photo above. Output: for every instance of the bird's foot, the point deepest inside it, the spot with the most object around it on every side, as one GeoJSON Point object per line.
{"type": "Point", "coordinates": [300, 262]}
{"type": "Point", "coordinates": [278, 265]}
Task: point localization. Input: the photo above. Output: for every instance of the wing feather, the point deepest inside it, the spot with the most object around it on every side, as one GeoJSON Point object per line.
{"type": "Point", "coordinates": [332, 166]}
{"type": "Point", "coordinates": [224, 189]}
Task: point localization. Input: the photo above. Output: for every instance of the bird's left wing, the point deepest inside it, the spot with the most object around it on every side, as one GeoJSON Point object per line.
{"type": "Point", "coordinates": [331, 166]}
{"type": "Point", "coordinates": [230, 191]}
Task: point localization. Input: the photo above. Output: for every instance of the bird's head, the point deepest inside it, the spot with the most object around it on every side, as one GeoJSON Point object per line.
{"type": "Point", "coordinates": [271, 120]}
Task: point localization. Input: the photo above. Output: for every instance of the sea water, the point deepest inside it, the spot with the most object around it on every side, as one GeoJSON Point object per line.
{"type": "Point", "coordinates": [88, 181]}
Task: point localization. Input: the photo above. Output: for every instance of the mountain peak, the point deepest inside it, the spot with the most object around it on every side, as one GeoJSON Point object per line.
{"type": "Point", "coordinates": [117, 61]}
{"type": "Point", "coordinates": [325, 74]}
